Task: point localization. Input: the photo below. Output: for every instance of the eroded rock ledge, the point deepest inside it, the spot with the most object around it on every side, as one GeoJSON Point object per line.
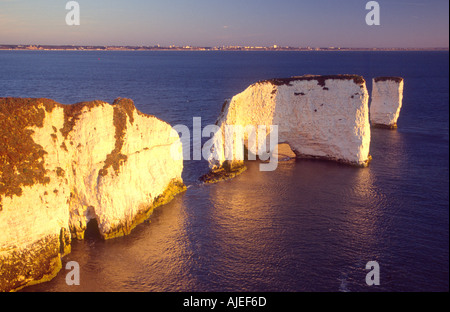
{"type": "Point", "coordinates": [64, 165]}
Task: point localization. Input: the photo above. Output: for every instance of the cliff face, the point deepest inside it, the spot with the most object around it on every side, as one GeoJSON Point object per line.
{"type": "Point", "coordinates": [64, 165]}
{"type": "Point", "coordinates": [318, 116]}
{"type": "Point", "coordinates": [386, 103]}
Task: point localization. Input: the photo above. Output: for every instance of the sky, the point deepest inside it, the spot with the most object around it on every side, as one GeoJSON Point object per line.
{"type": "Point", "coordinates": [296, 23]}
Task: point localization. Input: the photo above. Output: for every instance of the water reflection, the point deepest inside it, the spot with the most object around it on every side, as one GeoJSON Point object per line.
{"type": "Point", "coordinates": [275, 226]}
{"type": "Point", "coordinates": [152, 258]}
{"type": "Point", "coordinates": [308, 226]}
{"type": "Point", "coordinates": [248, 231]}
{"type": "Point", "coordinates": [388, 148]}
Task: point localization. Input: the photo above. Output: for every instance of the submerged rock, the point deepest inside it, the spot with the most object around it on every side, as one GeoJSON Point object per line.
{"type": "Point", "coordinates": [64, 165]}
{"type": "Point", "coordinates": [317, 116]}
{"type": "Point", "coordinates": [386, 103]}
{"type": "Point", "coordinates": [222, 174]}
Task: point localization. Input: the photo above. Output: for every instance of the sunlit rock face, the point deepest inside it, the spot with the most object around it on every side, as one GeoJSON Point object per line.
{"type": "Point", "coordinates": [318, 116]}
{"type": "Point", "coordinates": [64, 165]}
{"type": "Point", "coordinates": [386, 102]}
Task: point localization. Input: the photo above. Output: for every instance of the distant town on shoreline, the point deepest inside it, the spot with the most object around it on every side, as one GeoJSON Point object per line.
{"type": "Point", "coordinates": [196, 48]}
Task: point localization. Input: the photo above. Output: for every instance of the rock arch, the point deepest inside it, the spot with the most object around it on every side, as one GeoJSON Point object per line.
{"type": "Point", "coordinates": [320, 116]}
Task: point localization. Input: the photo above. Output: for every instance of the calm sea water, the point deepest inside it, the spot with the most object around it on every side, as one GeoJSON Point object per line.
{"type": "Point", "coordinates": [308, 226]}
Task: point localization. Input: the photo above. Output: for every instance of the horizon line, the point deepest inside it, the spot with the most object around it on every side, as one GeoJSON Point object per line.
{"type": "Point", "coordinates": [23, 46]}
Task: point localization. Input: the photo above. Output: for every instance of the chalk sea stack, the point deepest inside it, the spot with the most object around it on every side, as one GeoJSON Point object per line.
{"type": "Point", "coordinates": [62, 166]}
{"type": "Point", "coordinates": [323, 117]}
{"type": "Point", "coordinates": [386, 102]}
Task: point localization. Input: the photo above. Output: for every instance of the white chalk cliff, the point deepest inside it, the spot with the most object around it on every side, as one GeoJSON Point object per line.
{"type": "Point", "coordinates": [318, 116]}
{"type": "Point", "coordinates": [63, 165]}
{"type": "Point", "coordinates": [386, 102]}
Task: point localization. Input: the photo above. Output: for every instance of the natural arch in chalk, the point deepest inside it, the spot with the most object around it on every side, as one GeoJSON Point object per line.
{"type": "Point", "coordinates": [320, 116]}
{"type": "Point", "coordinates": [284, 152]}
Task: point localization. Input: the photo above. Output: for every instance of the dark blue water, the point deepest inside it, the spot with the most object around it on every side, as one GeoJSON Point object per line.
{"type": "Point", "coordinates": [308, 226]}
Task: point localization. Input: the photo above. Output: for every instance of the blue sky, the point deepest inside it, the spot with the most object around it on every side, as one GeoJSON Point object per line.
{"type": "Point", "coordinates": [316, 23]}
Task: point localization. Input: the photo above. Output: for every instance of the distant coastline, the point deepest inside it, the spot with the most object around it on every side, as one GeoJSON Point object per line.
{"type": "Point", "coordinates": [12, 47]}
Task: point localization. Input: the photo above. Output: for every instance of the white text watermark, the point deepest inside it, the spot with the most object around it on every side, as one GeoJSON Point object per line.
{"type": "Point", "coordinates": [73, 16]}
{"type": "Point", "coordinates": [373, 277]}
{"type": "Point", "coordinates": [373, 17]}
{"type": "Point", "coordinates": [228, 143]}
{"type": "Point", "coordinates": [73, 277]}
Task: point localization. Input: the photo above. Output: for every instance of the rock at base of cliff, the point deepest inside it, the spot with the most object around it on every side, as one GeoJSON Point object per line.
{"type": "Point", "coordinates": [174, 188]}
{"type": "Point", "coordinates": [222, 174]}
{"type": "Point", "coordinates": [35, 263]}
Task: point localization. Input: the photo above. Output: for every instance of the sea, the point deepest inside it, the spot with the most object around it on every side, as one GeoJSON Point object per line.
{"type": "Point", "coordinates": [310, 225]}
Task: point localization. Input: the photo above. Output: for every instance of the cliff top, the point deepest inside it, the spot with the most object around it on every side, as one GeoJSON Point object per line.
{"type": "Point", "coordinates": [396, 79]}
{"type": "Point", "coordinates": [321, 79]}
{"type": "Point", "coordinates": [22, 160]}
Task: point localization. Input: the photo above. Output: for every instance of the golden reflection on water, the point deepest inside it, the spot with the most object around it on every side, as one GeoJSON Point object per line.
{"type": "Point", "coordinates": [306, 210]}
{"type": "Point", "coordinates": [152, 258]}
{"type": "Point", "coordinates": [250, 202]}
{"type": "Point", "coordinates": [248, 228]}
{"type": "Point", "coordinates": [364, 202]}
{"type": "Point", "coordinates": [262, 231]}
